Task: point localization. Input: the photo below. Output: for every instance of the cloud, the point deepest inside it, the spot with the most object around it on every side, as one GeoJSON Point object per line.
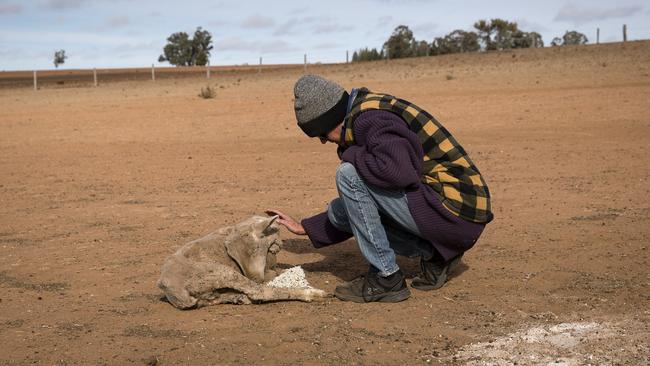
{"type": "Point", "coordinates": [10, 8]}
{"type": "Point", "coordinates": [330, 28]}
{"type": "Point", "coordinates": [286, 28]}
{"type": "Point", "coordinates": [218, 23]}
{"type": "Point", "coordinates": [63, 4]}
{"type": "Point", "coordinates": [326, 46]}
{"type": "Point", "coordinates": [527, 26]}
{"type": "Point", "coordinates": [375, 36]}
{"type": "Point", "coordinates": [401, 1]}
{"type": "Point", "coordinates": [238, 44]}
{"type": "Point", "coordinates": [112, 23]}
{"type": "Point", "coordinates": [13, 54]}
{"type": "Point", "coordinates": [58, 37]}
{"type": "Point", "coordinates": [572, 13]}
{"type": "Point", "coordinates": [258, 21]}
{"type": "Point", "coordinates": [383, 20]}
{"type": "Point", "coordinates": [8, 52]}
{"type": "Point", "coordinates": [313, 19]}
{"type": "Point", "coordinates": [118, 21]}
{"type": "Point", "coordinates": [136, 47]}
{"type": "Point", "coordinates": [300, 10]}
{"type": "Point", "coordinates": [426, 28]}
{"type": "Point", "coordinates": [426, 31]}
{"type": "Point", "coordinates": [314, 24]}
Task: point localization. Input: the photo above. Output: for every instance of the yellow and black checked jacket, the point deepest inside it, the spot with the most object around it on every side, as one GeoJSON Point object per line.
{"type": "Point", "coordinates": [446, 168]}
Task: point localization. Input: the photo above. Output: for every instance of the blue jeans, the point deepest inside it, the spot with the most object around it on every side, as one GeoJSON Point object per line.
{"type": "Point", "coordinates": [379, 219]}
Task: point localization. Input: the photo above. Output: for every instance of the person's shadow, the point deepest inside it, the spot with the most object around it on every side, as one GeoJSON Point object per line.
{"type": "Point", "coordinates": [344, 260]}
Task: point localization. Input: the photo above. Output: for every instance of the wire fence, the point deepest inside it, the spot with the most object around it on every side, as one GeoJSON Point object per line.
{"type": "Point", "coordinates": [300, 61]}
{"type": "Point", "coordinates": [96, 77]}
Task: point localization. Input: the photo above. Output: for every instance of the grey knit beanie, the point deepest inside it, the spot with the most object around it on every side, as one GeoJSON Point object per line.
{"type": "Point", "coordinates": [319, 104]}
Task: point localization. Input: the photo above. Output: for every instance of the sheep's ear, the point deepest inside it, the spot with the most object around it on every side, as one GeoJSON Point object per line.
{"type": "Point", "coordinates": [260, 226]}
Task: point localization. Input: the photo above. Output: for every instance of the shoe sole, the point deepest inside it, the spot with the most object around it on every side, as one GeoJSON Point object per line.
{"type": "Point", "coordinates": [428, 286]}
{"type": "Point", "coordinates": [396, 296]}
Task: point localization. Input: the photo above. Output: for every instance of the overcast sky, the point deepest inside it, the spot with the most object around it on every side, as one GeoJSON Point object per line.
{"type": "Point", "coordinates": [122, 33]}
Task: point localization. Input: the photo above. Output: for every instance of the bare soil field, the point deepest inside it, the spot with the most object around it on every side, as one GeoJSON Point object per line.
{"type": "Point", "coordinates": [99, 185]}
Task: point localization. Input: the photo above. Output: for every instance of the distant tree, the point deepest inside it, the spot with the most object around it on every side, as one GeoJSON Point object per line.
{"type": "Point", "coordinates": [570, 38]}
{"type": "Point", "coordinates": [421, 48]}
{"type": "Point", "coordinates": [455, 42]}
{"type": "Point", "coordinates": [181, 50]}
{"type": "Point", "coordinates": [485, 30]}
{"type": "Point", "coordinates": [527, 40]}
{"type": "Point", "coordinates": [201, 46]}
{"type": "Point", "coordinates": [401, 43]}
{"type": "Point", "coordinates": [499, 34]}
{"type": "Point", "coordinates": [366, 54]}
{"type": "Point", "coordinates": [178, 49]}
{"type": "Point", "coordinates": [59, 58]}
{"type": "Point", "coordinates": [539, 42]}
{"type": "Point", "coordinates": [505, 33]}
{"type": "Point", "coordinates": [574, 38]}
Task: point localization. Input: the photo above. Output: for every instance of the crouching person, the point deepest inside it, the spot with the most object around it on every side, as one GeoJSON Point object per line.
{"type": "Point", "coordinates": [405, 187]}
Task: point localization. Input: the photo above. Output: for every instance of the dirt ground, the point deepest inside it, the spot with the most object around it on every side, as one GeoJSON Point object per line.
{"type": "Point", "coordinates": [99, 185]}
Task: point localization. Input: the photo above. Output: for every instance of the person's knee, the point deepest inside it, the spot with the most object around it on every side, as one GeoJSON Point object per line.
{"type": "Point", "coordinates": [345, 174]}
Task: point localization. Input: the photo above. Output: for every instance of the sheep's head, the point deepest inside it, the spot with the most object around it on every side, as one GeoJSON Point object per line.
{"type": "Point", "coordinates": [254, 244]}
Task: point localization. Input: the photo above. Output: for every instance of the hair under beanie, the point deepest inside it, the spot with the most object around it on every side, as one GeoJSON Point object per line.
{"type": "Point", "coordinates": [319, 104]}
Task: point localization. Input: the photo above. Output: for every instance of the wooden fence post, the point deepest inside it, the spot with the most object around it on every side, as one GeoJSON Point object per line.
{"type": "Point", "coordinates": [305, 69]}
{"type": "Point", "coordinates": [207, 70]}
{"type": "Point", "coordinates": [597, 35]}
{"type": "Point", "coordinates": [259, 68]}
{"type": "Point", "coordinates": [624, 32]}
{"type": "Point", "coordinates": [35, 81]}
{"type": "Point", "coordinates": [153, 73]}
{"type": "Point", "coordinates": [95, 76]}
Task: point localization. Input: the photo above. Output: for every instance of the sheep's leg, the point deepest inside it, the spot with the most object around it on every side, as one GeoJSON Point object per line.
{"type": "Point", "coordinates": [256, 292]}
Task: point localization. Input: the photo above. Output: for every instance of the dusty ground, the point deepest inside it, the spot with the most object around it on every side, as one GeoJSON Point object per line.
{"type": "Point", "coordinates": [99, 185]}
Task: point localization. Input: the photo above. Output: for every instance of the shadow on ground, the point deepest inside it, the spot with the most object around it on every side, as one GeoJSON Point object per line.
{"type": "Point", "coordinates": [344, 260]}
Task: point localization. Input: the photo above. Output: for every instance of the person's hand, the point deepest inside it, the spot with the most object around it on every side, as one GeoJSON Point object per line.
{"type": "Point", "coordinates": [288, 222]}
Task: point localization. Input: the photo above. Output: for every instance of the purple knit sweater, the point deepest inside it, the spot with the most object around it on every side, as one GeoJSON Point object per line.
{"type": "Point", "coordinates": [387, 154]}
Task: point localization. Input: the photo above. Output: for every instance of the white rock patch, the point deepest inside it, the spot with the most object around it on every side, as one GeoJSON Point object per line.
{"type": "Point", "coordinates": [565, 344]}
{"type": "Point", "coordinates": [292, 277]}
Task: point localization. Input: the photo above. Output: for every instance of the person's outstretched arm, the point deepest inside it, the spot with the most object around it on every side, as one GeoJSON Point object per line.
{"type": "Point", "coordinates": [288, 222]}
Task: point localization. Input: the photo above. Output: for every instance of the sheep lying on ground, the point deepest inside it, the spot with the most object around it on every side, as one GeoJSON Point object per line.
{"type": "Point", "coordinates": [229, 265]}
